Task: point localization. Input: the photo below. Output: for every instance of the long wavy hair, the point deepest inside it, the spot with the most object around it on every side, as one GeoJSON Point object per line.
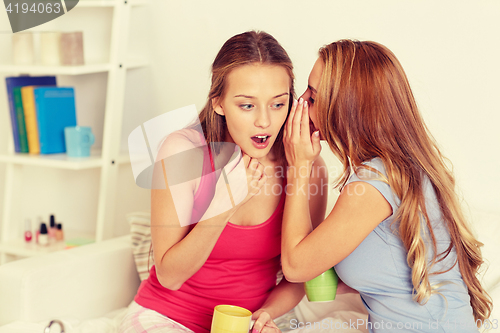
{"type": "Point", "coordinates": [366, 109]}
{"type": "Point", "coordinates": [243, 49]}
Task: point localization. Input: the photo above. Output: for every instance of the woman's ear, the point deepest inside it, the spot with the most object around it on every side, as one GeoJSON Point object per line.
{"type": "Point", "coordinates": [217, 107]}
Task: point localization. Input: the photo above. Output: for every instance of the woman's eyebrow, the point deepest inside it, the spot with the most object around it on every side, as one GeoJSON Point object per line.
{"type": "Point", "coordinates": [312, 89]}
{"type": "Point", "coordinates": [246, 96]}
{"type": "Point", "coordinates": [283, 94]}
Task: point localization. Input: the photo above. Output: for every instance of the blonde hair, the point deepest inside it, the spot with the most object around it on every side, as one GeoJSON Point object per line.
{"type": "Point", "coordinates": [366, 109]}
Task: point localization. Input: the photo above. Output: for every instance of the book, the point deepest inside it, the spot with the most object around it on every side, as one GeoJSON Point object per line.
{"type": "Point", "coordinates": [21, 81]}
{"type": "Point", "coordinates": [30, 119]}
{"type": "Point", "coordinates": [55, 110]}
{"type": "Point", "coordinates": [21, 126]}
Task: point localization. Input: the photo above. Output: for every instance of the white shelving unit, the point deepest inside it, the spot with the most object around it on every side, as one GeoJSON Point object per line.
{"type": "Point", "coordinates": [108, 159]}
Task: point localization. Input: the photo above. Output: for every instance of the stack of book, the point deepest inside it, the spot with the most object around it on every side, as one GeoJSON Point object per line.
{"type": "Point", "coordinates": [39, 111]}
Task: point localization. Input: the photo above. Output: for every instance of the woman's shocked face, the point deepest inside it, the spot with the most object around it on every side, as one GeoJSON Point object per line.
{"type": "Point", "coordinates": [255, 105]}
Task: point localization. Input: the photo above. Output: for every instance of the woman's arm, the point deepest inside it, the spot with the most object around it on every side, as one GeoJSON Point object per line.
{"type": "Point", "coordinates": [359, 209]}
{"type": "Point", "coordinates": [178, 252]}
{"type": "Point", "coordinates": [287, 295]}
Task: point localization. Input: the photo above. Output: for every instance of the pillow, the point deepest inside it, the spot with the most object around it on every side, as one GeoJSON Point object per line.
{"type": "Point", "coordinates": [141, 242]}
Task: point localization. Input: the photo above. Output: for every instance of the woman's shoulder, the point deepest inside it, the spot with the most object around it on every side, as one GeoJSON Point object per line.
{"type": "Point", "coordinates": [374, 173]}
{"type": "Point", "coordinates": [182, 154]}
{"type": "Point", "coordinates": [179, 142]}
{"type": "Point", "coordinates": [373, 168]}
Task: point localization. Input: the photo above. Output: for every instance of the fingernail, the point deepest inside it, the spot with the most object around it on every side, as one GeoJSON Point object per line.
{"type": "Point", "coordinates": [300, 102]}
{"type": "Point", "coordinates": [316, 133]}
{"type": "Point", "coordinates": [294, 102]}
{"type": "Point", "coordinates": [305, 103]}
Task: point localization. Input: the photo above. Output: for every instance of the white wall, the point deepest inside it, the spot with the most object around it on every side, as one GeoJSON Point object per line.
{"type": "Point", "coordinates": [449, 50]}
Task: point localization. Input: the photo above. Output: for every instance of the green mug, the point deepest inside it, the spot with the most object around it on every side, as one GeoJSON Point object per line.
{"type": "Point", "coordinates": [322, 288]}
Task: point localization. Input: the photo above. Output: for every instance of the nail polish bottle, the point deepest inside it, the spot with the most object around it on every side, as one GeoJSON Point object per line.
{"type": "Point", "coordinates": [59, 232]}
{"type": "Point", "coordinates": [38, 222]}
{"type": "Point", "coordinates": [53, 228]}
{"type": "Point", "coordinates": [27, 231]}
{"type": "Point", "coordinates": [43, 238]}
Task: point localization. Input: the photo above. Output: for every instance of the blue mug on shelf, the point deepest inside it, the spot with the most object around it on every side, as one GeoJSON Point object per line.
{"type": "Point", "coordinates": [78, 141]}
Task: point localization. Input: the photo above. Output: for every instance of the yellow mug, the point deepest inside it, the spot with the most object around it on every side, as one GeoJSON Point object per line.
{"type": "Point", "coordinates": [230, 319]}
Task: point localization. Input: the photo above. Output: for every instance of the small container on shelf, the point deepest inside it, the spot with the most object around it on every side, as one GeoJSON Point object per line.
{"type": "Point", "coordinates": [23, 50]}
{"type": "Point", "coordinates": [59, 232]}
{"type": "Point", "coordinates": [50, 43]}
{"type": "Point", "coordinates": [72, 48]}
{"type": "Point", "coordinates": [43, 238]}
{"type": "Point", "coordinates": [53, 227]}
{"type": "Point", "coordinates": [28, 235]}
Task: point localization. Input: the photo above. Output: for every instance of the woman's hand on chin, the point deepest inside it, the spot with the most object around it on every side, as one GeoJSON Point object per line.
{"type": "Point", "coordinates": [301, 148]}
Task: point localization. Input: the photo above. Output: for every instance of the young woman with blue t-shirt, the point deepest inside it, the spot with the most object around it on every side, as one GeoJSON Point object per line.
{"type": "Point", "coordinates": [397, 233]}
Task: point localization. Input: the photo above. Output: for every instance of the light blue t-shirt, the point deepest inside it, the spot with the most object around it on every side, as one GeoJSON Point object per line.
{"type": "Point", "coordinates": [378, 269]}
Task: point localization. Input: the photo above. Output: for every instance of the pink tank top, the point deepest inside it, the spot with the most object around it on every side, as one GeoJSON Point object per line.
{"type": "Point", "coordinates": [241, 270]}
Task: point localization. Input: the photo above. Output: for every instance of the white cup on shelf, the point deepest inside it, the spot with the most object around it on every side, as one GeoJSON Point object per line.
{"type": "Point", "coordinates": [23, 49]}
{"type": "Point", "coordinates": [50, 54]}
{"type": "Point", "coordinates": [72, 48]}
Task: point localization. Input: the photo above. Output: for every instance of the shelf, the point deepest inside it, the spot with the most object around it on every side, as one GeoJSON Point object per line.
{"type": "Point", "coordinates": [105, 165]}
{"type": "Point", "coordinates": [55, 70]}
{"type": "Point", "coordinates": [20, 248]}
{"type": "Point", "coordinates": [61, 161]}
{"type": "Point", "coordinates": [109, 3]}
{"type": "Point", "coordinates": [68, 70]}
{"type": "Point", "coordinates": [96, 3]}
{"type": "Point", "coordinates": [136, 63]}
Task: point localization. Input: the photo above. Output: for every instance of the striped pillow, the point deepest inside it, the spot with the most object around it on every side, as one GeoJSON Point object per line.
{"type": "Point", "coordinates": [141, 242]}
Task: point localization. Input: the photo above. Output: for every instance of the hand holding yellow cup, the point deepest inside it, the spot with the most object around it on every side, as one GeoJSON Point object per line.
{"type": "Point", "coordinates": [230, 319]}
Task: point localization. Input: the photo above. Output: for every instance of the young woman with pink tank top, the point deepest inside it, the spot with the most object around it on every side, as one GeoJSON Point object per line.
{"type": "Point", "coordinates": [233, 257]}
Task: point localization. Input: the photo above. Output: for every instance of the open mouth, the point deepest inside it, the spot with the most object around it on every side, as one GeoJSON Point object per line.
{"type": "Point", "coordinates": [260, 138]}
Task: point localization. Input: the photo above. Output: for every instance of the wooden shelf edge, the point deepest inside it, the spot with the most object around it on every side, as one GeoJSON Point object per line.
{"type": "Point", "coordinates": [59, 161]}
{"type": "Point", "coordinates": [18, 247]}
{"type": "Point", "coordinates": [137, 63]}
{"type": "Point", "coordinates": [95, 3]}
{"type": "Point", "coordinates": [68, 70]}
{"type": "Point", "coordinates": [62, 161]}
{"type": "Point", "coordinates": [109, 3]}
{"type": "Point", "coordinates": [55, 70]}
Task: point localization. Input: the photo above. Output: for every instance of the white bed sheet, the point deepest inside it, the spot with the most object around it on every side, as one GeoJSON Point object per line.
{"type": "Point", "coordinates": [346, 308]}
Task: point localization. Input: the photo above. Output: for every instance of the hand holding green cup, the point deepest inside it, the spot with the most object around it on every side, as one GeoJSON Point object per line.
{"type": "Point", "coordinates": [322, 288]}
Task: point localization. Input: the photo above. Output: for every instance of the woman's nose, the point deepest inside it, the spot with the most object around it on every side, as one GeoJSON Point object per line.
{"type": "Point", "coordinates": [263, 120]}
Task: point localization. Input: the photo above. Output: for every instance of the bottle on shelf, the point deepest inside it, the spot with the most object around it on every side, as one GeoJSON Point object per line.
{"type": "Point", "coordinates": [53, 227]}
{"type": "Point", "coordinates": [59, 232]}
{"type": "Point", "coordinates": [38, 223]}
{"type": "Point", "coordinates": [43, 238]}
{"type": "Point", "coordinates": [27, 231]}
